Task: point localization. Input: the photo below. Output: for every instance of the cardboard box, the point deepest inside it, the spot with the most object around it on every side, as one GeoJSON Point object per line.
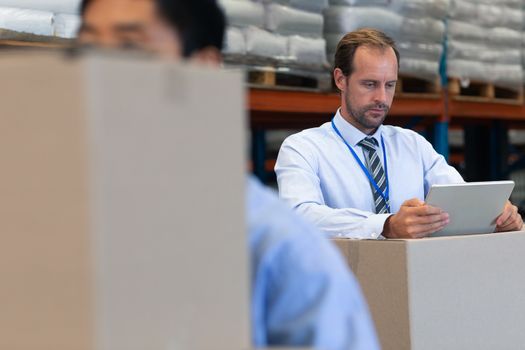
{"type": "Point", "coordinates": [463, 292]}
{"type": "Point", "coordinates": [121, 201]}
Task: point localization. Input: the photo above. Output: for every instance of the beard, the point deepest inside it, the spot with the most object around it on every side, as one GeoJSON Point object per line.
{"type": "Point", "coordinates": [363, 115]}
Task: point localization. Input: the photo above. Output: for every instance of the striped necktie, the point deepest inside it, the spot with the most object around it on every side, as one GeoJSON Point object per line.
{"type": "Point", "coordinates": [373, 163]}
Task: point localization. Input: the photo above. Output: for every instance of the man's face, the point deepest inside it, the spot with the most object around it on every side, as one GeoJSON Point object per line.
{"type": "Point", "coordinates": [129, 24]}
{"type": "Point", "coordinates": [368, 92]}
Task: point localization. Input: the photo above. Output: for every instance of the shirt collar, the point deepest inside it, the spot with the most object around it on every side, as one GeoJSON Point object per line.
{"type": "Point", "coordinates": [351, 134]}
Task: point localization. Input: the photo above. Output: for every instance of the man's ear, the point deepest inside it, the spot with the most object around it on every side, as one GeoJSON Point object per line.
{"type": "Point", "coordinates": [340, 79]}
{"type": "Point", "coordinates": [209, 56]}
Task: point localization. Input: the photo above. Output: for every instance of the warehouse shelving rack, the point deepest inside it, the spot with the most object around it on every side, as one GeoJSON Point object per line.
{"type": "Point", "coordinates": [286, 109]}
{"type": "Point", "coordinates": [275, 108]}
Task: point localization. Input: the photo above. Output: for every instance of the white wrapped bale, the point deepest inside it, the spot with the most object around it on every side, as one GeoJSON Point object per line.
{"type": "Point", "coordinates": [510, 76]}
{"type": "Point", "coordinates": [504, 37]}
{"type": "Point", "coordinates": [55, 6]}
{"type": "Point", "coordinates": [359, 2]}
{"type": "Point", "coordinates": [463, 31]}
{"type": "Point", "coordinates": [234, 42]}
{"type": "Point", "coordinates": [423, 69]}
{"type": "Point", "coordinates": [483, 53]}
{"type": "Point", "coordinates": [341, 19]}
{"type": "Point", "coordinates": [420, 50]}
{"type": "Point", "coordinates": [26, 21]}
{"type": "Point", "coordinates": [486, 15]}
{"type": "Point", "coordinates": [288, 21]}
{"type": "Point", "coordinates": [316, 6]}
{"type": "Point", "coordinates": [517, 4]}
{"type": "Point", "coordinates": [437, 9]}
{"type": "Point", "coordinates": [307, 50]}
{"type": "Point", "coordinates": [243, 13]}
{"type": "Point", "coordinates": [264, 44]}
{"type": "Point", "coordinates": [347, 19]}
{"type": "Point", "coordinates": [66, 26]}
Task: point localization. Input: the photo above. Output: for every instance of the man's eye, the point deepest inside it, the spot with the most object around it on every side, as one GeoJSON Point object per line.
{"type": "Point", "coordinates": [370, 85]}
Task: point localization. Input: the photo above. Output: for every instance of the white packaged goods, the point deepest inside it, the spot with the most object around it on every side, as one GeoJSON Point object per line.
{"type": "Point", "coordinates": [423, 69]}
{"type": "Point", "coordinates": [316, 6]}
{"type": "Point", "coordinates": [493, 15]}
{"type": "Point", "coordinates": [288, 21]}
{"type": "Point", "coordinates": [523, 49]}
{"type": "Point", "coordinates": [346, 19]}
{"type": "Point", "coordinates": [511, 3]}
{"type": "Point", "coordinates": [234, 42]}
{"type": "Point", "coordinates": [26, 21]}
{"type": "Point", "coordinates": [481, 52]}
{"type": "Point", "coordinates": [264, 44]}
{"type": "Point", "coordinates": [424, 29]}
{"type": "Point", "coordinates": [66, 26]}
{"type": "Point", "coordinates": [466, 31]}
{"type": "Point", "coordinates": [509, 76]}
{"type": "Point", "coordinates": [437, 9]}
{"type": "Point", "coordinates": [360, 2]}
{"type": "Point", "coordinates": [243, 13]}
{"type": "Point", "coordinates": [503, 75]}
{"type": "Point", "coordinates": [462, 10]}
{"type": "Point", "coordinates": [484, 41]}
{"type": "Point", "coordinates": [55, 6]}
{"type": "Point", "coordinates": [421, 51]}
{"type": "Point", "coordinates": [504, 37]}
{"type": "Point", "coordinates": [307, 50]}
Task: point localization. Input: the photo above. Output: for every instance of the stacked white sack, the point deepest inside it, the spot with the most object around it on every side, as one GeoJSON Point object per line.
{"type": "Point", "coordinates": [315, 6]}
{"type": "Point", "coordinates": [421, 53]}
{"type": "Point", "coordinates": [416, 25]}
{"type": "Point", "coordinates": [54, 6]}
{"type": "Point", "coordinates": [301, 21]}
{"type": "Point", "coordinates": [484, 42]}
{"type": "Point", "coordinates": [523, 44]}
{"type": "Point", "coordinates": [245, 21]}
{"type": "Point", "coordinates": [286, 31]}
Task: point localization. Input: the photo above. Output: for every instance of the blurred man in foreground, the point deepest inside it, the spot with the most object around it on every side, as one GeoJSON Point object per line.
{"type": "Point", "coordinates": [302, 292]}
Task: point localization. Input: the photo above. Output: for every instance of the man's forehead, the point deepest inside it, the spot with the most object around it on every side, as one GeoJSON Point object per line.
{"type": "Point", "coordinates": [370, 58]}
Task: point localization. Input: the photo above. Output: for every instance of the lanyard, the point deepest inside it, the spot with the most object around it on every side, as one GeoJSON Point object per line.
{"type": "Point", "coordinates": [385, 195]}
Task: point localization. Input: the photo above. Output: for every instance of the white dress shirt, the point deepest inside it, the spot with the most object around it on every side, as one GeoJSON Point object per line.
{"type": "Point", "coordinates": [319, 177]}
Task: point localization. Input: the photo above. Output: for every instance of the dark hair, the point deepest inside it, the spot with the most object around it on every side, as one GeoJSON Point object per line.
{"type": "Point", "coordinates": [200, 23]}
{"type": "Point", "coordinates": [345, 52]}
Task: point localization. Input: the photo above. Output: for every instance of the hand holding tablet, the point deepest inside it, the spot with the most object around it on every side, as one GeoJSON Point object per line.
{"type": "Point", "coordinates": [473, 208]}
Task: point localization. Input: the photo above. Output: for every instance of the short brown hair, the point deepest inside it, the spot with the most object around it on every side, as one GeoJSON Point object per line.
{"type": "Point", "coordinates": [345, 52]}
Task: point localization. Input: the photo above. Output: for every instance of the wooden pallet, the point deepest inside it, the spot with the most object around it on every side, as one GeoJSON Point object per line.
{"type": "Point", "coordinates": [413, 86]}
{"type": "Point", "coordinates": [277, 78]}
{"type": "Point", "coordinates": [484, 92]}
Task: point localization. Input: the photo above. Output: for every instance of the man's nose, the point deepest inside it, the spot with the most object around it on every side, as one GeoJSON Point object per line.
{"type": "Point", "coordinates": [380, 95]}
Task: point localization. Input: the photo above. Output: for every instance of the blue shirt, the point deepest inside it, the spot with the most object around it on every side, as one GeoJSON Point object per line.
{"type": "Point", "coordinates": [303, 294]}
{"type": "Point", "coordinates": [319, 177]}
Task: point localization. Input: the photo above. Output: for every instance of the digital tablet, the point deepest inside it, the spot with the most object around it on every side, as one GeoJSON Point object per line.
{"type": "Point", "coordinates": [473, 207]}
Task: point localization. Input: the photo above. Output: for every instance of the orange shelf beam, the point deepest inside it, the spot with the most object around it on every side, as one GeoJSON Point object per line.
{"type": "Point", "coordinates": [300, 109]}
{"type": "Point", "coordinates": [485, 110]}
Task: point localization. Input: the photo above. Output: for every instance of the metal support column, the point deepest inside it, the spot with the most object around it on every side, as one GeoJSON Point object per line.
{"type": "Point", "coordinates": [440, 138]}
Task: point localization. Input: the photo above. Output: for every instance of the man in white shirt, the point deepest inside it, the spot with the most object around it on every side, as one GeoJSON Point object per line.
{"type": "Point", "coordinates": [355, 177]}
